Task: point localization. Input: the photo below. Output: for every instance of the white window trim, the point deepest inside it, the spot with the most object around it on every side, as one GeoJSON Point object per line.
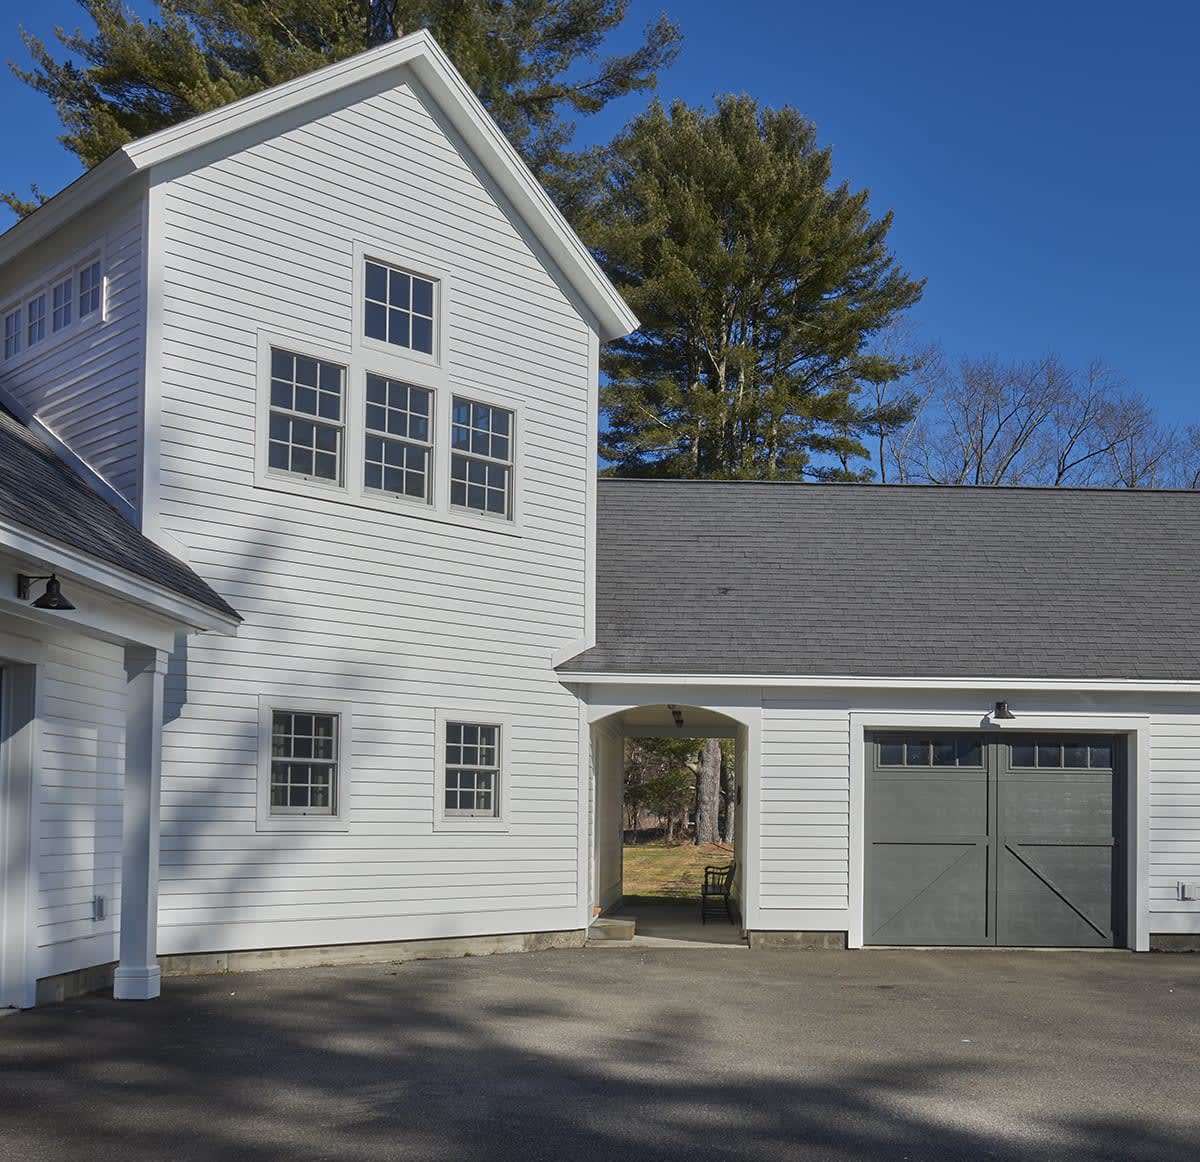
{"type": "Point", "coordinates": [339, 819]}
{"type": "Point", "coordinates": [46, 285]}
{"type": "Point", "coordinates": [471, 823]}
{"type": "Point", "coordinates": [352, 491]}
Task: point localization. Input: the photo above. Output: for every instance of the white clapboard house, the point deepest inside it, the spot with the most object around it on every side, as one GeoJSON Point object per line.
{"type": "Point", "coordinates": [299, 409]}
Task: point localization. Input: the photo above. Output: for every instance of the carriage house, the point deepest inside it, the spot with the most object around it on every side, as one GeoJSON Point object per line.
{"type": "Point", "coordinates": [324, 363]}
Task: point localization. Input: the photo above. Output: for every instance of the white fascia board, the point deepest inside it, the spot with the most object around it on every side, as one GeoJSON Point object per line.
{"type": "Point", "coordinates": [419, 53]}
{"type": "Point", "coordinates": [83, 193]}
{"type": "Point", "coordinates": [1097, 685]}
{"type": "Point", "coordinates": [119, 582]}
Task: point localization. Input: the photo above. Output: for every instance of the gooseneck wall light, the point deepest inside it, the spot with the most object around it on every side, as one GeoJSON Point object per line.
{"type": "Point", "coordinates": [53, 597]}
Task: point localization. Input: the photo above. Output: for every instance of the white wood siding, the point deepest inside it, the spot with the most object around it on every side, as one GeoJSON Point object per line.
{"type": "Point", "coordinates": [1175, 817]}
{"type": "Point", "coordinates": [804, 828]}
{"type": "Point", "coordinates": [397, 614]}
{"type": "Point", "coordinates": [77, 788]}
{"type": "Point", "coordinates": [86, 386]}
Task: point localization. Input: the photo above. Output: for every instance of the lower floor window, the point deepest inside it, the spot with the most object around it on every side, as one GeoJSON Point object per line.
{"type": "Point", "coordinates": [472, 768]}
{"type": "Point", "coordinates": [304, 767]}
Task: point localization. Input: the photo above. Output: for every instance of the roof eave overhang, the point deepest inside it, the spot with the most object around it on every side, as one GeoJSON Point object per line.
{"type": "Point", "coordinates": [158, 599]}
{"type": "Point", "coordinates": [869, 682]}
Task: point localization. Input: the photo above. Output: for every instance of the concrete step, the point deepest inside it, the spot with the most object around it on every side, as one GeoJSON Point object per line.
{"type": "Point", "coordinates": [611, 928]}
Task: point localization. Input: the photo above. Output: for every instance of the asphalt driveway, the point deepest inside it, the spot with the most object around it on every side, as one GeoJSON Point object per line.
{"type": "Point", "coordinates": [625, 1053]}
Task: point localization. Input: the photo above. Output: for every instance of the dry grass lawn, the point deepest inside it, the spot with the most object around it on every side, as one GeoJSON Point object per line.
{"type": "Point", "coordinates": [671, 871]}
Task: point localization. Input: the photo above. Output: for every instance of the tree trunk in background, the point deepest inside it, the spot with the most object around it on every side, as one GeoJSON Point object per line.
{"type": "Point", "coordinates": [708, 791]}
{"type": "Point", "coordinates": [729, 794]}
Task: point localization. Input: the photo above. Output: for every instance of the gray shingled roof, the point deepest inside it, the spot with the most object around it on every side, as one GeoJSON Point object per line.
{"type": "Point", "coordinates": [698, 577]}
{"type": "Point", "coordinates": [39, 491]}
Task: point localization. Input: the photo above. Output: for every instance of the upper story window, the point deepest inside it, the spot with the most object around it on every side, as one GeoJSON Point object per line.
{"type": "Point", "coordinates": [35, 320]}
{"type": "Point", "coordinates": [12, 333]}
{"type": "Point", "coordinates": [62, 298]}
{"type": "Point", "coordinates": [481, 457]}
{"type": "Point", "coordinates": [399, 440]}
{"type": "Point", "coordinates": [57, 307]}
{"type": "Point", "coordinates": [398, 307]}
{"type": "Point", "coordinates": [307, 416]}
{"type": "Point", "coordinates": [89, 289]}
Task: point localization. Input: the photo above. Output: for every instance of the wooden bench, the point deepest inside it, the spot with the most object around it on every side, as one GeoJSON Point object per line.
{"type": "Point", "coordinates": [714, 892]}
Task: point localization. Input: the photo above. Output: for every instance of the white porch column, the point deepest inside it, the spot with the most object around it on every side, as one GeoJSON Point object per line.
{"type": "Point", "coordinates": [137, 975]}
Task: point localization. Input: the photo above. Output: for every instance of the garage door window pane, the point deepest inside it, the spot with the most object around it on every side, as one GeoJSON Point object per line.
{"type": "Point", "coordinates": [916, 754]}
{"type": "Point", "coordinates": [891, 753]}
{"type": "Point", "coordinates": [945, 752]}
{"type": "Point", "coordinates": [1101, 756]}
{"type": "Point", "coordinates": [1049, 755]}
{"type": "Point", "coordinates": [969, 753]}
{"type": "Point", "coordinates": [1075, 754]}
{"type": "Point", "coordinates": [1022, 754]}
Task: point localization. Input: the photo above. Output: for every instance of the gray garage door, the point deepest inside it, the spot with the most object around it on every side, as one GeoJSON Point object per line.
{"type": "Point", "coordinates": [1009, 839]}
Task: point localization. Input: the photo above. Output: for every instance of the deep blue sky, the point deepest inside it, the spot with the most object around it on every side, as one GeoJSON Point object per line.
{"type": "Point", "coordinates": [1042, 159]}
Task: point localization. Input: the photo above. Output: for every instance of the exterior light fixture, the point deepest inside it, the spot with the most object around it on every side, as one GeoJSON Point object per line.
{"type": "Point", "coordinates": [53, 597]}
{"type": "Point", "coordinates": [1002, 712]}
{"type": "Point", "coordinates": [676, 714]}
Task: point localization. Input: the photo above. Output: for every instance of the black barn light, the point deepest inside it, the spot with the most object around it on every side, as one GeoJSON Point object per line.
{"type": "Point", "coordinates": [53, 597]}
{"type": "Point", "coordinates": [1002, 712]}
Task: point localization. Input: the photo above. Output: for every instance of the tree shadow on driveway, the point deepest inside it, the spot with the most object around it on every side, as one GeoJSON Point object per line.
{"type": "Point", "coordinates": [597, 1054]}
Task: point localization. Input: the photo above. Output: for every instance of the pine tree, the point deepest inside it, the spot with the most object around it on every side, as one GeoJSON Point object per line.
{"type": "Point", "coordinates": [759, 286]}
{"type": "Point", "coordinates": [533, 63]}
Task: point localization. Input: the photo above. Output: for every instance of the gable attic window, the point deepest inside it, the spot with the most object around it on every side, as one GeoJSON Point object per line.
{"type": "Point", "coordinates": [89, 289]}
{"type": "Point", "coordinates": [398, 307]}
{"type": "Point", "coordinates": [12, 333]}
{"type": "Point", "coordinates": [307, 416]}
{"type": "Point", "coordinates": [35, 320]}
{"type": "Point", "coordinates": [61, 298]}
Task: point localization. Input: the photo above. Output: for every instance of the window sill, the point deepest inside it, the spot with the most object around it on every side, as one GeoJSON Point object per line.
{"type": "Point", "coordinates": [470, 823]}
{"type": "Point", "coordinates": [299, 824]}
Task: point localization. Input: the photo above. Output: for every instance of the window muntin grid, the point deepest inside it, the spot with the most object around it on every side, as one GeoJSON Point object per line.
{"type": "Point", "coordinates": [1065, 754]}
{"type": "Point", "coordinates": [12, 333]}
{"type": "Point", "coordinates": [89, 289]}
{"type": "Point", "coordinates": [307, 416]}
{"type": "Point", "coordinates": [472, 769]}
{"type": "Point", "coordinates": [304, 764]}
{"type": "Point", "coordinates": [35, 320]}
{"type": "Point", "coordinates": [61, 301]}
{"type": "Point", "coordinates": [931, 751]}
{"type": "Point", "coordinates": [398, 307]}
{"type": "Point", "coordinates": [398, 444]}
{"type": "Point", "coordinates": [481, 457]}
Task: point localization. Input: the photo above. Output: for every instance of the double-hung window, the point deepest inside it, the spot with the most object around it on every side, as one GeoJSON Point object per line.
{"type": "Point", "coordinates": [304, 763]}
{"type": "Point", "coordinates": [398, 443]}
{"type": "Point", "coordinates": [35, 320]}
{"type": "Point", "coordinates": [61, 300]}
{"type": "Point", "coordinates": [472, 775]}
{"type": "Point", "coordinates": [307, 420]}
{"type": "Point", "coordinates": [398, 307]}
{"type": "Point", "coordinates": [89, 289]}
{"type": "Point", "coordinates": [12, 333]}
{"type": "Point", "coordinates": [481, 458]}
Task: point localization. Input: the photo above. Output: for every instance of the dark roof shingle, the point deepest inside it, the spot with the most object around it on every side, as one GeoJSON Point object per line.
{"type": "Point", "coordinates": [39, 491]}
{"type": "Point", "coordinates": [721, 578]}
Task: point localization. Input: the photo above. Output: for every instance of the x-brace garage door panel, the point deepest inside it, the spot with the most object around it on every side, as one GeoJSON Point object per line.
{"type": "Point", "coordinates": [985, 839]}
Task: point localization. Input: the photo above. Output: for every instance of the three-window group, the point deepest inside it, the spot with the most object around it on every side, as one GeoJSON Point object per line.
{"type": "Point", "coordinates": [309, 406]}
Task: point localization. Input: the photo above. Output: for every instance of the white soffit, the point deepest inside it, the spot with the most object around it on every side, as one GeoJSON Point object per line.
{"type": "Point", "coordinates": [418, 54]}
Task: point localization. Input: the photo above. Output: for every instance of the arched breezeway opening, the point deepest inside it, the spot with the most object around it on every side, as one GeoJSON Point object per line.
{"type": "Point", "coordinates": [683, 919]}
